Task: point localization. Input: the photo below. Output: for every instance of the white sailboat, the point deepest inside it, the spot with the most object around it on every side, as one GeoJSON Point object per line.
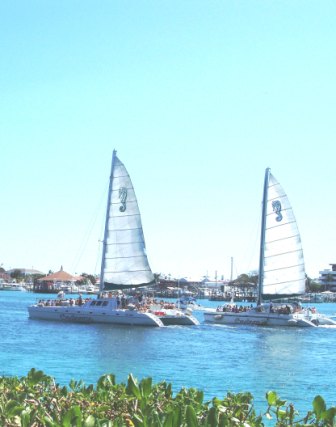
{"type": "Point", "coordinates": [281, 270]}
{"type": "Point", "coordinates": [124, 264]}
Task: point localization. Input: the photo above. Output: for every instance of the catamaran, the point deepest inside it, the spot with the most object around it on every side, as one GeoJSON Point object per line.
{"type": "Point", "coordinates": [124, 265]}
{"type": "Point", "coordinates": [281, 270]}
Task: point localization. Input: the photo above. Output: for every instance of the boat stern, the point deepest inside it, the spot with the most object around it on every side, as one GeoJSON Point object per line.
{"type": "Point", "coordinates": [154, 320]}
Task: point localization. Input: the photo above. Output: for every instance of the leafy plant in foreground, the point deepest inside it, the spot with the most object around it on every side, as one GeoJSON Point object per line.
{"type": "Point", "coordinates": [285, 413]}
{"type": "Point", "coordinates": [36, 401]}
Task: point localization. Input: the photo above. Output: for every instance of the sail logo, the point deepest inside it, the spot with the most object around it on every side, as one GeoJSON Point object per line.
{"type": "Point", "coordinates": [122, 198]}
{"type": "Point", "coordinates": [276, 205]}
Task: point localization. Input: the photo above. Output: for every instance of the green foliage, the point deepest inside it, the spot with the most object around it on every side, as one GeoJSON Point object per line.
{"type": "Point", "coordinates": [313, 286]}
{"type": "Point", "coordinates": [87, 277]}
{"type": "Point", "coordinates": [17, 275]}
{"type": "Point", "coordinates": [36, 401]}
{"type": "Point", "coordinates": [286, 415]}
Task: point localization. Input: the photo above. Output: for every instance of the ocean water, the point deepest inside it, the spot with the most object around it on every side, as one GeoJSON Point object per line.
{"type": "Point", "coordinates": [297, 363]}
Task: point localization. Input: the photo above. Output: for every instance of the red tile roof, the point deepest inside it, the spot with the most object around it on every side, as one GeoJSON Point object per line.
{"type": "Point", "coordinates": [59, 276]}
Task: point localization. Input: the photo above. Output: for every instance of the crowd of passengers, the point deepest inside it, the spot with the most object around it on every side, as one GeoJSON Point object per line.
{"type": "Point", "coordinates": [140, 301]}
{"type": "Point", "coordinates": [229, 308]}
{"type": "Point", "coordinates": [58, 302]}
{"type": "Point", "coordinates": [283, 309]}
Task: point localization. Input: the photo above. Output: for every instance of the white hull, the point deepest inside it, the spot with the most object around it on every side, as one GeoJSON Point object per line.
{"type": "Point", "coordinates": [322, 320]}
{"type": "Point", "coordinates": [258, 319]}
{"type": "Point", "coordinates": [93, 313]}
{"type": "Point", "coordinates": [173, 315]}
{"type": "Point", "coordinates": [11, 287]}
{"type": "Point", "coordinates": [16, 288]}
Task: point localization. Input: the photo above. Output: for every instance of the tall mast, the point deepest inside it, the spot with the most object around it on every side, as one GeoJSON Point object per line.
{"type": "Point", "coordinates": [101, 284]}
{"type": "Point", "coordinates": [262, 236]}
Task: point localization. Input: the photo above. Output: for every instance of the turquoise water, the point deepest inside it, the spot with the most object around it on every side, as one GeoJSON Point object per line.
{"type": "Point", "coordinates": [297, 363]}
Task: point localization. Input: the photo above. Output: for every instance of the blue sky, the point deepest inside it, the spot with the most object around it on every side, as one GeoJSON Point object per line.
{"type": "Point", "coordinates": [197, 97]}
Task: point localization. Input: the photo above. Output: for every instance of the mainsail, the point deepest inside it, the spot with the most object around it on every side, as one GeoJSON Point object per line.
{"type": "Point", "coordinates": [282, 269]}
{"type": "Point", "coordinates": [124, 259]}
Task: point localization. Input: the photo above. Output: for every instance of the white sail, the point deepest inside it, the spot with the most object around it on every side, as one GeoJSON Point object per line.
{"type": "Point", "coordinates": [284, 270]}
{"type": "Point", "coordinates": [124, 262]}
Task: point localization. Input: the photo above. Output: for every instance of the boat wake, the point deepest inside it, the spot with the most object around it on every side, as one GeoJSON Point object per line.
{"type": "Point", "coordinates": [328, 326]}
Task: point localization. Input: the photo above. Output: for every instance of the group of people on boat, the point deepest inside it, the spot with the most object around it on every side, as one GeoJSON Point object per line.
{"type": "Point", "coordinates": [59, 302]}
{"type": "Point", "coordinates": [230, 308]}
{"type": "Point", "coordinates": [283, 309]}
{"type": "Point", "coordinates": [271, 308]}
{"type": "Point", "coordinates": [138, 301]}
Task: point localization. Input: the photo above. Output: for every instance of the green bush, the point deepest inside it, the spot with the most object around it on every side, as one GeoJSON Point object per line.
{"type": "Point", "coordinates": [36, 401]}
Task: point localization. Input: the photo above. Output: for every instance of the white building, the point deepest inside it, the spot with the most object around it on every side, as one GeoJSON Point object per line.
{"type": "Point", "coordinates": [328, 278]}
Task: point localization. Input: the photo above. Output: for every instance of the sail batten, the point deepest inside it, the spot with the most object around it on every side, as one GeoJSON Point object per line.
{"type": "Point", "coordinates": [283, 253]}
{"type": "Point", "coordinates": [125, 257]}
{"type": "Point", "coordinates": [295, 236]}
{"type": "Point", "coordinates": [288, 281]}
{"type": "Point", "coordinates": [125, 262]}
{"type": "Point", "coordinates": [283, 270]}
{"type": "Point", "coordinates": [282, 225]}
{"type": "Point", "coordinates": [123, 216]}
